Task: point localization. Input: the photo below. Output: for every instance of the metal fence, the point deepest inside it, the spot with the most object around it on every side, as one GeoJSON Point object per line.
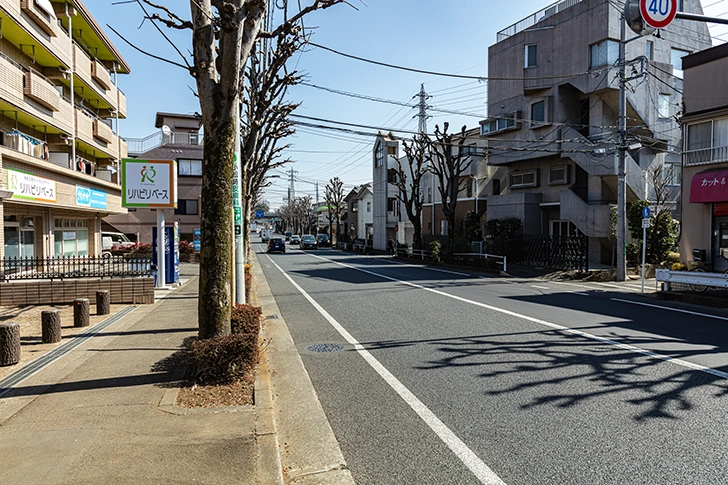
{"type": "Point", "coordinates": [78, 267]}
{"type": "Point", "coordinates": [555, 252]}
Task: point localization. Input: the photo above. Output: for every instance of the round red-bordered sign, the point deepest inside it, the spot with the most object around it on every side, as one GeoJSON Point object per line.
{"type": "Point", "coordinates": [658, 13]}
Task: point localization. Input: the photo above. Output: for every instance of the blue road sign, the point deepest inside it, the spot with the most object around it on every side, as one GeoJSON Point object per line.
{"type": "Point", "coordinates": [259, 214]}
{"type": "Point", "coordinates": [645, 212]}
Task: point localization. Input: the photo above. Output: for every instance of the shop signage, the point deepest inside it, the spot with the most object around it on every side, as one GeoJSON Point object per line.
{"type": "Point", "coordinates": [69, 235]}
{"type": "Point", "coordinates": [709, 186]}
{"type": "Point", "coordinates": [30, 187]}
{"type": "Point", "coordinates": [92, 198]}
{"type": "Point", "coordinates": [149, 183]}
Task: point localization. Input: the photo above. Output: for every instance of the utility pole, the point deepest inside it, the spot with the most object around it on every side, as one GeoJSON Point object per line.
{"type": "Point", "coordinates": [621, 170]}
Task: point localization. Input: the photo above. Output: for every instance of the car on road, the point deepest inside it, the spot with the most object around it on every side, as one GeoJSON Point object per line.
{"type": "Point", "coordinates": [288, 235]}
{"type": "Point", "coordinates": [295, 239]}
{"type": "Point", "coordinates": [276, 244]}
{"type": "Point", "coordinates": [323, 240]}
{"type": "Point", "coordinates": [308, 241]}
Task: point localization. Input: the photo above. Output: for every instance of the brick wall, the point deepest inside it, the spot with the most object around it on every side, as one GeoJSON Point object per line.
{"type": "Point", "coordinates": [121, 290]}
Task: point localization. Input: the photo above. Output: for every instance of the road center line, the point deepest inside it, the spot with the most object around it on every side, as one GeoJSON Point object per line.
{"type": "Point", "coordinates": [648, 353]}
{"type": "Point", "coordinates": [461, 450]}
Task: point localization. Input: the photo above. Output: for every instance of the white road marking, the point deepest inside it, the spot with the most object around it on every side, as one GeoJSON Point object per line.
{"type": "Point", "coordinates": [461, 450]}
{"type": "Point", "coordinates": [631, 348]}
{"type": "Point", "coordinates": [679, 310]}
{"type": "Point", "coordinates": [540, 287]}
{"type": "Point", "coordinates": [580, 293]}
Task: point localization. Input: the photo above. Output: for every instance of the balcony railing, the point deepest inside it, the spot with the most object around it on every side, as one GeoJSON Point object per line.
{"type": "Point", "coordinates": [705, 156]}
{"type": "Point", "coordinates": [537, 17]}
{"type": "Point", "coordinates": [38, 88]}
{"type": "Point", "coordinates": [75, 267]}
{"type": "Point", "coordinates": [137, 146]}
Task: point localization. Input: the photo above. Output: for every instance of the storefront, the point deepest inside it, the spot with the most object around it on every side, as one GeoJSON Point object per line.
{"type": "Point", "coordinates": [708, 200]}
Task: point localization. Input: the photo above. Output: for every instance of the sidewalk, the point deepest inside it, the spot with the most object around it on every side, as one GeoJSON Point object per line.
{"type": "Point", "coordinates": [94, 415]}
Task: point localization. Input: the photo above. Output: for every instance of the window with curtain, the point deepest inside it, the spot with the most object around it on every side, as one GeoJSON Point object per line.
{"type": "Point", "coordinates": [699, 135]}
{"type": "Point", "coordinates": [720, 133]}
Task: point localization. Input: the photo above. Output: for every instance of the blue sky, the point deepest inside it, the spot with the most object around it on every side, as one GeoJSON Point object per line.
{"type": "Point", "coordinates": [450, 37]}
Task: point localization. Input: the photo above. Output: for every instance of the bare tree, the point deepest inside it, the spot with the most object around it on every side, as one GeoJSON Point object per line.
{"type": "Point", "coordinates": [448, 166]}
{"type": "Point", "coordinates": [334, 193]}
{"type": "Point", "coordinates": [223, 35]}
{"type": "Point", "coordinates": [408, 179]}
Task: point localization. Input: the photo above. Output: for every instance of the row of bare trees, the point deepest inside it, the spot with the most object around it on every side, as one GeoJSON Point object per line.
{"type": "Point", "coordinates": [443, 156]}
{"type": "Point", "coordinates": [225, 36]}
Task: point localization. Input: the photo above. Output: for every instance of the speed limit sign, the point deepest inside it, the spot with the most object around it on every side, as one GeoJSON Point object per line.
{"type": "Point", "coordinates": [658, 13]}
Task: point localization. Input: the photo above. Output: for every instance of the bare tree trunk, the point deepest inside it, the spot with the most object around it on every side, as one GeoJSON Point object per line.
{"type": "Point", "coordinates": [9, 343]}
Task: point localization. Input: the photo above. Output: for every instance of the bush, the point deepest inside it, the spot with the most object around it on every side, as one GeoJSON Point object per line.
{"type": "Point", "coordinates": [245, 320]}
{"type": "Point", "coordinates": [140, 249]}
{"type": "Point", "coordinates": [435, 248]}
{"type": "Point", "coordinates": [678, 267]}
{"type": "Point", "coordinates": [672, 257]}
{"type": "Point", "coordinates": [186, 247]}
{"type": "Point", "coordinates": [223, 360]}
{"type": "Point", "coordinates": [633, 254]}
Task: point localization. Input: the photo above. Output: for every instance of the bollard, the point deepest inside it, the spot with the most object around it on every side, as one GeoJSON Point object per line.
{"type": "Point", "coordinates": [51, 326]}
{"type": "Point", "coordinates": [9, 343]}
{"type": "Point", "coordinates": [81, 312]}
{"type": "Point", "coordinates": [103, 302]}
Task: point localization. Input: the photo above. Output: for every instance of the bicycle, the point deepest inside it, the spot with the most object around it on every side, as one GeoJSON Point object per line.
{"type": "Point", "coordinates": [703, 267]}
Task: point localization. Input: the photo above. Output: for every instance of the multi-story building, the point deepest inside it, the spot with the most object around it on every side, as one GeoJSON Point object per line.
{"type": "Point", "coordinates": [553, 105]}
{"type": "Point", "coordinates": [705, 158]}
{"type": "Point", "coordinates": [178, 139]}
{"type": "Point", "coordinates": [385, 213]}
{"type": "Point", "coordinates": [59, 139]}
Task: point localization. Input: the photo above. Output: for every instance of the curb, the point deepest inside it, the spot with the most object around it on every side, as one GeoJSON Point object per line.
{"type": "Point", "coordinates": [268, 469]}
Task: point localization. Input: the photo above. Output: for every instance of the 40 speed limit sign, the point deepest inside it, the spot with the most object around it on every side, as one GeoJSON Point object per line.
{"type": "Point", "coordinates": [658, 13]}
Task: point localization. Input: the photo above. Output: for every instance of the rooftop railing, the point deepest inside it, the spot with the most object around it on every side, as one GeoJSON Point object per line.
{"type": "Point", "coordinates": [537, 17]}
{"type": "Point", "coordinates": [137, 146]}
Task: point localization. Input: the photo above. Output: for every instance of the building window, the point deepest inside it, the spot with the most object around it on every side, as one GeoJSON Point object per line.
{"type": "Point", "coordinates": [379, 155]}
{"type": "Point", "coordinates": [604, 53]}
{"type": "Point", "coordinates": [508, 121]}
{"type": "Point", "coordinates": [392, 176]}
{"type": "Point", "coordinates": [189, 168]}
{"type": "Point", "coordinates": [523, 179]}
{"type": "Point", "coordinates": [186, 207]}
{"type": "Point", "coordinates": [369, 206]}
{"type": "Point", "coordinates": [676, 56]}
{"type": "Point", "coordinates": [392, 205]}
{"type": "Point", "coordinates": [663, 105]}
{"type": "Point", "coordinates": [671, 174]}
{"type": "Point", "coordinates": [650, 51]}
{"type": "Point", "coordinates": [538, 114]}
{"type": "Point", "coordinates": [70, 238]}
{"type": "Point", "coordinates": [469, 187]}
{"type": "Point", "coordinates": [531, 54]}
{"type": "Point", "coordinates": [559, 175]}
{"type": "Point", "coordinates": [429, 195]}
{"type": "Point", "coordinates": [354, 206]}
{"type": "Point", "coordinates": [443, 227]}
{"type": "Point", "coordinates": [496, 187]}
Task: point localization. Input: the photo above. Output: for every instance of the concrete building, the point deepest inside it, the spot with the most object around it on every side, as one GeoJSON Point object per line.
{"type": "Point", "coordinates": [178, 139]}
{"type": "Point", "coordinates": [705, 158]}
{"type": "Point", "coordinates": [59, 140]}
{"type": "Point", "coordinates": [553, 109]}
{"type": "Point", "coordinates": [385, 206]}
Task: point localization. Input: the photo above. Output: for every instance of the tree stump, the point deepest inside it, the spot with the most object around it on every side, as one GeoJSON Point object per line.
{"type": "Point", "coordinates": [81, 312]}
{"type": "Point", "coordinates": [103, 302]}
{"type": "Point", "coordinates": [9, 343]}
{"type": "Point", "coordinates": [51, 326]}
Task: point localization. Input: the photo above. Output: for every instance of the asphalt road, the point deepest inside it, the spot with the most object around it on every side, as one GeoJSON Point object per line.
{"type": "Point", "coordinates": [448, 377]}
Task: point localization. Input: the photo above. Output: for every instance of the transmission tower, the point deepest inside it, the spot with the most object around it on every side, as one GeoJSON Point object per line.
{"type": "Point", "coordinates": [422, 115]}
{"type": "Point", "coordinates": [292, 189]}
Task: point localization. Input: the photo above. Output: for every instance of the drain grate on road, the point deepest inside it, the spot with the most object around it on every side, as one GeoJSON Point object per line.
{"type": "Point", "coordinates": [325, 348]}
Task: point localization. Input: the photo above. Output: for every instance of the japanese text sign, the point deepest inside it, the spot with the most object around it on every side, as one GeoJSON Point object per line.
{"type": "Point", "coordinates": [149, 183]}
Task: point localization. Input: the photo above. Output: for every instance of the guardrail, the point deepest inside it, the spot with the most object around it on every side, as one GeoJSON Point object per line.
{"type": "Point", "coordinates": [503, 259]}
{"type": "Point", "coordinates": [697, 278]}
{"type": "Point", "coordinates": [77, 267]}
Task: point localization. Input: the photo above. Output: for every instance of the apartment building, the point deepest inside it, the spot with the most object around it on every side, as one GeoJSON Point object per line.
{"type": "Point", "coordinates": [178, 138]}
{"type": "Point", "coordinates": [59, 141]}
{"type": "Point", "coordinates": [705, 158]}
{"type": "Point", "coordinates": [385, 206]}
{"type": "Point", "coordinates": [553, 104]}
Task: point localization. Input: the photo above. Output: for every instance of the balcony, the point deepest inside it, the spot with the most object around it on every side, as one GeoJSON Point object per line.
{"type": "Point", "coordinates": [37, 11]}
{"type": "Point", "coordinates": [535, 18]}
{"type": "Point", "coordinates": [101, 74]}
{"type": "Point", "coordinates": [48, 40]}
{"type": "Point", "coordinates": [41, 90]}
{"type": "Point", "coordinates": [137, 146]}
{"type": "Point", "coordinates": [88, 74]}
{"type": "Point", "coordinates": [121, 104]}
{"type": "Point", "coordinates": [11, 81]}
{"type": "Point", "coordinates": [87, 126]}
{"type": "Point", "coordinates": [102, 131]}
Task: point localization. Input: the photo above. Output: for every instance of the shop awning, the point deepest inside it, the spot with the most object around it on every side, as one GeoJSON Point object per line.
{"type": "Point", "coordinates": [709, 186]}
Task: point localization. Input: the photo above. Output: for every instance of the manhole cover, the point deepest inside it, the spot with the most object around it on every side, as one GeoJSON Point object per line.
{"type": "Point", "coordinates": [323, 348]}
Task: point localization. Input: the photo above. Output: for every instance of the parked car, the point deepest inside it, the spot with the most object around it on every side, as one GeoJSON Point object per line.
{"type": "Point", "coordinates": [308, 241]}
{"type": "Point", "coordinates": [323, 240]}
{"type": "Point", "coordinates": [276, 244]}
{"type": "Point", "coordinates": [295, 239]}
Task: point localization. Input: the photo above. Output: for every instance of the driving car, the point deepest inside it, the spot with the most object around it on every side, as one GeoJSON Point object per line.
{"type": "Point", "coordinates": [276, 244]}
{"type": "Point", "coordinates": [288, 235]}
{"type": "Point", "coordinates": [308, 241]}
{"type": "Point", "coordinates": [295, 239]}
{"type": "Point", "coordinates": [323, 240]}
